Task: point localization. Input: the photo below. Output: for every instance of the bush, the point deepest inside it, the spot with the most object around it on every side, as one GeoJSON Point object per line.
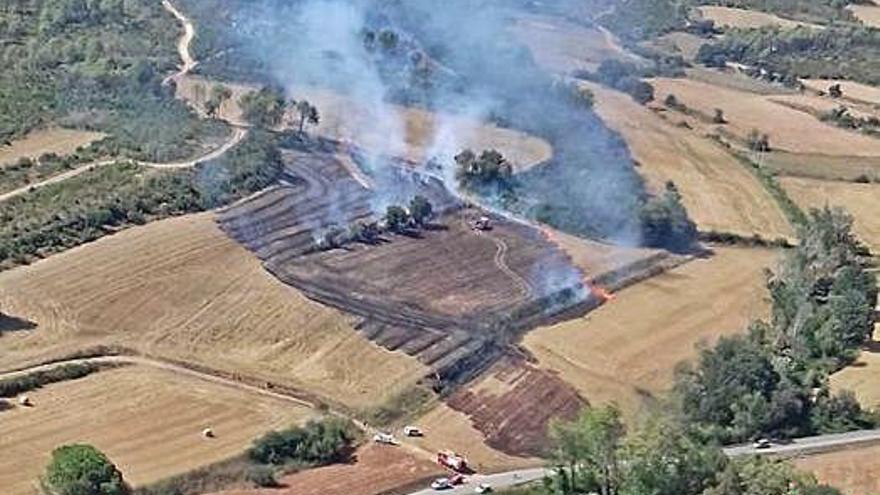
{"type": "Point", "coordinates": [82, 470]}
{"type": "Point", "coordinates": [262, 476]}
{"type": "Point", "coordinates": [316, 443]}
{"type": "Point", "coordinates": [14, 386]}
{"type": "Point", "coordinates": [666, 224]}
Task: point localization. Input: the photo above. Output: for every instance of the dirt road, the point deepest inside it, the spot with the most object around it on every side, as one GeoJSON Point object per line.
{"type": "Point", "coordinates": [238, 134]}
{"type": "Point", "coordinates": [187, 65]}
{"type": "Point", "coordinates": [183, 46]}
{"type": "Point", "coordinates": [220, 380]}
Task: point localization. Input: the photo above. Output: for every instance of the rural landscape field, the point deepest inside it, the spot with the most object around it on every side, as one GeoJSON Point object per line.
{"type": "Point", "coordinates": [370, 247]}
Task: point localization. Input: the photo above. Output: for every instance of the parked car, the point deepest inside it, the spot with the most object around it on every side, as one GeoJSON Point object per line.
{"type": "Point", "coordinates": [483, 488]}
{"type": "Point", "coordinates": [412, 431]}
{"type": "Point", "coordinates": [385, 438]}
{"type": "Point", "coordinates": [762, 443]}
{"type": "Point", "coordinates": [441, 484]}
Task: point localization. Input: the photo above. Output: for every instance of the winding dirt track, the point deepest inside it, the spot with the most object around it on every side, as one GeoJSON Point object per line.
{"type": "Point", "coordinates": [501, 263]}
{"type": "Point", "coordinates": [238, 134]}
{"type": "Point", "coordinates": [189, 34]}
{"type": "Point", "coordinates": [188, 64]}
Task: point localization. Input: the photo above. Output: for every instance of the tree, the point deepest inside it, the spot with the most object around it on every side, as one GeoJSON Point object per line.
{"type": "Point", "coordinates": [420, 209]}
{"type": "Point", "coordinates": [219, 95]}
{"type": "Point", "coordinates": [587, 451]}
{"type": "Point", "coordinates": [835, 91]}
{"type": "Point", "coordinates": [660, 458]}
{"type": "Point", "coordinates": [730, 388]}
{"type": "Point", "coordinates": [665, 222]}
{"type": "Point", "coordinates": [263, 108]}
{"type": "Point", "coordinates": [396, 219]}
{"type": "Point", "coordinates": [308, 113]}
{"type": "Point", "coordinates": [758, 141]}
{"type": "Point", "coordinates": [488, 173]}
{"type": "Point", "coordinates": [82, 470]}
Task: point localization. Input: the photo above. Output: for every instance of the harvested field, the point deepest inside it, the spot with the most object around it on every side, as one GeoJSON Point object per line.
{"type": "Point", "coordinates": [196, 91]}
{"type": "Point", "coordinates": [448, 429]}
{"type": "Point", "coordinates": [513, 404]}
{"type": "Point", "coordinates": [618, 354]}
{"type": "Point", "coordinates": [732, 78]}
{"type": "Point", "coordinates": [564, 47]}
{"type": "Point", "coordinates": [816, 105]}
{"type": "Point", "coordinates": [868, 13]}
{"type": "Point", "coordinates": [148, 421]}
{"type": "Point", "coordinates": [181, 289]}
{"type": "Point", "coordinates": [374, 469]}
{"type": "Point", "coordinates": [863, 376]}
{"type": "Point", "coordinates": [56, 140]}
{"type": "Point", "coordinates": [815, 166]}
{"type": "Point", "coordinates": [861, 200]}
{"type": "Point", "coordinates": [852, 91]}
{"type": "Point", "coordinates": [789, 129]}
{"type": "Point", "coordinates": [732, 17]}
{"type": "Point", "coordinates": [344, 119]}
{"type": "Point", "coordinates": [719, 193]}
{"type": "Point", "coordinates": [595, 258]}
{"type": "Point", "coordinates": [685, 44]}
{"type": "Point", "coordinates": [853, 471]}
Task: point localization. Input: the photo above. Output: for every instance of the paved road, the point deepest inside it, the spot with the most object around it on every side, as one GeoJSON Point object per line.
{"type": "Point", "coordinates": [497, 481]}
{"type": "Point", "coordinates": [810, 445]}
{"type": "Point", "coordinates": [799, 447]}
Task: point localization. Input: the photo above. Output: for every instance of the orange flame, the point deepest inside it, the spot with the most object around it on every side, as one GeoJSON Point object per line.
{"type": "Point", "coordinates": [602, 293]}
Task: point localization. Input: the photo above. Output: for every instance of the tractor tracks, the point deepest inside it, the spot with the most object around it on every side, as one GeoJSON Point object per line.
{"type": "Point", "coordinates": [500, 261]}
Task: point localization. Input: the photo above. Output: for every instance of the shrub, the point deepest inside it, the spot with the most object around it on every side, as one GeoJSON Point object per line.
{"type": "Point", "coordinates": [262, 476]}
{"type": "Point", "coordinates": [666, 224]}
{"type": "Point", "coordinates": [14, 386]}
{"type": "Point", "coordinates": [82, 470]}
{"type": "Point", "coordinates": [316, 443]}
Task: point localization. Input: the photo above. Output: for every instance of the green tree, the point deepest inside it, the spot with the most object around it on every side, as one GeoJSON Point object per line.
{"type": "Point", "coordinates": [758, 141]}
{"type": "Point", "coordinates": [396, 218]}
{"type": "Point", "coordinates": [263, 108]}
{"type": "Point", "coordinates": [665, 222]}
{"type": "Point", "coordinates": [219, 94]}
{"type": "Point", "coordinates": [420, 209]}
{"type": "Point", "coordinates": [587, 451]}
{"type": "Point", "coordinates": [82, 470]}
{"type": "Point", "coordinates": [660, 458]}
{"type": "Point", "coordinates": [308, 113]}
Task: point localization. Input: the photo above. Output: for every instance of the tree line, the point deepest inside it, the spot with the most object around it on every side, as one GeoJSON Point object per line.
{"type": "Point", "coordinates": [597, 453]}
{"type": "Point", "coordinates": [773, 380]}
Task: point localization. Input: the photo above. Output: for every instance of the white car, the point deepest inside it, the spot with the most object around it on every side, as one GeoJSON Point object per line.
{"type": "Point", "coordinates": [441, 484]}
{"type": "Point", "coordinates": [483, 488]}
{"type": "Point", "coordinates": [385, 438]}
{"type": "Point", "coordinates": [762, 443]}
{"type": "Point", "coordinates": [412, 431]}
